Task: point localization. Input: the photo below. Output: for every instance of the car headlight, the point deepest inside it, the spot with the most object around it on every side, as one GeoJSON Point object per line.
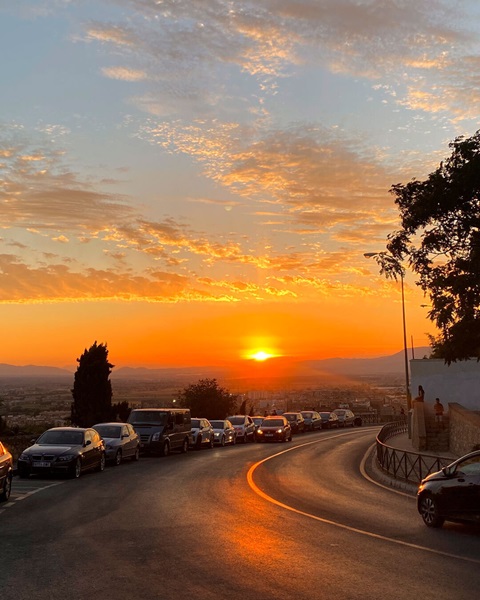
{"type": "Point", "coordinates": [66, 457]}
{"type": "Point", "coordinates": [280, 430]}
{"type": "Point", "coordinates": [217, 434]}
{"type": "Point", "coordinates": [260, 431]}
{"type": "Point", "coordinates": [156, 437]}
{"type": "Point", "coordinates": [24, 456]}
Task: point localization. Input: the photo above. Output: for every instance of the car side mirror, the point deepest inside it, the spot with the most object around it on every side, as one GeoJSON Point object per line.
{"type": "Point", "coordinates": [88, 442]}
{"type": "Point", "coordinates": [33, 441]}
{"type": "Point", "coordinates": [448, 471]}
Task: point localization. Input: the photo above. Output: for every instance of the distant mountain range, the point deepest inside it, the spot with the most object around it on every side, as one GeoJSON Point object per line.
{"type": "Point", "coordinates": [382, 365]}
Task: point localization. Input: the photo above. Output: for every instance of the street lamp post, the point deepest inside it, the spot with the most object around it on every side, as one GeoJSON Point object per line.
{"type": "Point", "coordinates": [399, 270]}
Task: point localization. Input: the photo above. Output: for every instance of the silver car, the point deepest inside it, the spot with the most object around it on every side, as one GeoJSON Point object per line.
{"type": "Point", "coordinates": [224, 432]}
{"type": "Point", "coordinates": [121, 441]}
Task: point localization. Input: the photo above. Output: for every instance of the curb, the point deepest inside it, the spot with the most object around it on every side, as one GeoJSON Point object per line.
{"type": "Point", "coordinates": [376, 473]}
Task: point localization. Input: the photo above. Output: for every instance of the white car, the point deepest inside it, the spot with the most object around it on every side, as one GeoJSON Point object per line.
{"type": "Point", "coordinates": [202, 434]}
{"type": "Point", "coordinates": [244, 426]}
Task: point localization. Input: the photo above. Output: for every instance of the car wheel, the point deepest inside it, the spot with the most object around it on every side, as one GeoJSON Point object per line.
{"type": "Point", "coordinates": [222, 441]}
{"type": "Point", "coordinates": [212, 442]}
{"type": "Point", "coordinates": [198, 443]}
{"type": "Point", "coordinates": [290, 438]}
{"type": "Point", "coordinates": [234, 441]}
{"type": "Point", "coordinates": [245, 439]}
{"type": "Point", "coordinates": [428, 509]}
{"type": "Point", "coordinates": [101, 464]}
{"type": "Point", "coordinates": [76, 469]}
{"type": "Point", "coordinates": [118, 458]}
{"type": "Point", "coordinates": [136, 456]}
{"type": "Point", "coordinates": [165, 449]}
{"type": "Point", "coordinates": [184, 446]}
{"type": "Point", "coordinates": [7, 489]}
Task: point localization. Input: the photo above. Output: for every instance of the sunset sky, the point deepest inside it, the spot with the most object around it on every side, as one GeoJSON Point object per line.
{"type": "Point", "coordinates": [195, 181]}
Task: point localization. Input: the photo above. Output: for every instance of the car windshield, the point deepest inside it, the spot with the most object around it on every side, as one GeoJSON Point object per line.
{"type": "Point", "coordinates": [273, 423]}
{"type": "Point", "coordinates": [237, 420]}
{"type": "Point", "coordinates": [291, 417]}
{"type": "Point", "coordinates": [307, 415]}
{"type": "Point", "coordinates": [62, 438]}
{"type": "Point", "coordinates": [217, 424]}
{"type": "Point", "coordinates": [139, 417]}
{"type": "Point", "coordinates": [109, 431]}
{"type": "Point", "coordinates": [325, 415]}
{"type": "Point", "coordinates": [340, 413]}
{"type": "Point", "coordinates": [195, 423]}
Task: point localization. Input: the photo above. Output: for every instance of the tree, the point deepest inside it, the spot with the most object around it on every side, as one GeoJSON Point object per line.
{"type": "Point", "coordinates": [207, 399]}
{"type": "Point", "coordinates": [440, 239]}
{"type": "Point", "coordinates": [92, 389]}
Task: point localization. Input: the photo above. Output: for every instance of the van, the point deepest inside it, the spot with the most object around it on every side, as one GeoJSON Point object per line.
{"type": "Point", "coordinates": [162, 430]}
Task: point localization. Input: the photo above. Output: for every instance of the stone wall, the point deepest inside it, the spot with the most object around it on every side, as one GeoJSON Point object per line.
{"type": "Point", "coordinates": [464, 429]}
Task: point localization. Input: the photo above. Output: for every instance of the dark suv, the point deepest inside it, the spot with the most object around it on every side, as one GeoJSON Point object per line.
{"type": "Point", "coordinates": [162, 429]}
{"type": "Point", "coordinates": [296, 420]}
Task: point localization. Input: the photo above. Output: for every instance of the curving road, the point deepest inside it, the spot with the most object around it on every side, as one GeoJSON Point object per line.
{"type": "Point", "coordinates": [269, 521]}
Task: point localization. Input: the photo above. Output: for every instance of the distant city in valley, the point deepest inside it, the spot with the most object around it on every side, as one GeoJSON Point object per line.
{"type": "Point", "coordinates": [42, 395]}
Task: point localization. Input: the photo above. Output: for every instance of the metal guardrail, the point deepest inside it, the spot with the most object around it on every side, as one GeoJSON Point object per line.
{"type": "Point", "coordinates": [407, 466]}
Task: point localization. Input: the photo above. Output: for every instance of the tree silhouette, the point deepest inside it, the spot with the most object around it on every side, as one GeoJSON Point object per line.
{"type": "Point", "coordinates": [208, 400]}
{"type": "Point", "coordinates": [92, 389]}
{"type": "Point", "coordinates": [440, 238]}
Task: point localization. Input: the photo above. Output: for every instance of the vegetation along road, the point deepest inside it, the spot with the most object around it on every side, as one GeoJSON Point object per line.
{"type": "Point", "coordinates": [273, 521]}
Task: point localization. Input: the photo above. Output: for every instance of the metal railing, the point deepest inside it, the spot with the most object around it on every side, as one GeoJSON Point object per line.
{"type": "Point", "coordinates": [407, 466]}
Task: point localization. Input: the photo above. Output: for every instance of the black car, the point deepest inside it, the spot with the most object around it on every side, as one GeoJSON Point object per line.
{"type": "Point", "coordinates": [312, 420]}
{"type": "Point", "coordinates": [6, 473]}
{"type": "Point", "coordinates": [274, 429]}
{"type": "Point", "coordinates": [452, 494]}
{"type": "Point", "coordinates": [329, 420]}
{"type": "Point", "coordinates": [67, 450]}
{"type": "Point", "coordinates": [297, 422]}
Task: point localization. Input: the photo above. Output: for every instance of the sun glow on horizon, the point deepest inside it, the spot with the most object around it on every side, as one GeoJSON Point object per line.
{"type": "Point", "coordinates": [261, 355]}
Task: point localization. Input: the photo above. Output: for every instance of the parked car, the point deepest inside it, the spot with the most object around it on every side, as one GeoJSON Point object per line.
{"type": "Point", "coordinates": [224, 432]}
{"type": "Point", "coordinates": [297, 422]}
{"type": "Point", "coordinates": [6, 473]}
{"type": "Point", "coordinates": [329, 420]}
{"type": "Point", "coordinates": [311, 419]}
{"type": "Point", "coordinates": [67, 450]}
{"type": "Point", "coordinates": [162, 429]}
{"type": "Point", "coordinates": [244, 426]}
{"type": "Point", "coordinates": [202, 434]}
{"type": "Point", "coordinates": [121, 441]}
{"type": "Point", "coordinates": [346, 418]}
{"type": "Point", "coordinates": [451, 494]}
{"type": "Point", "coordinates": [257, 421]}
{"type": "Point", "coordinates": [274, 429]}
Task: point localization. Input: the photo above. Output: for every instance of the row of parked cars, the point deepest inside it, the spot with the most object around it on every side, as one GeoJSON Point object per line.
{"type": "Point", "coordinates": [73, 450]}
{"type": "Point", "coordinates": [450, 494]}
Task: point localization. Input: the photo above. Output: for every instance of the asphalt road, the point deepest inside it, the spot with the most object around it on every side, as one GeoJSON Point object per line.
{"type": "Point", "coordinates": [256, 521]}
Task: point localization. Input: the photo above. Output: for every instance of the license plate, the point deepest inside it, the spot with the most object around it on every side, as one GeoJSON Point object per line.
{"type": "Point", "coordinates": [269, 435]}
{"type": "Point", "coordinates": [42, 463]}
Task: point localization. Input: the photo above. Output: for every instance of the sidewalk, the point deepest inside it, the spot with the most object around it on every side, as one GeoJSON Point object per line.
{"type": "Point", "coordinates": [402, 442]}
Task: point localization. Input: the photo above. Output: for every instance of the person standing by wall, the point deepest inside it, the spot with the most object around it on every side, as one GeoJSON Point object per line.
{"type": "Point", "coordinates": [438, 410]}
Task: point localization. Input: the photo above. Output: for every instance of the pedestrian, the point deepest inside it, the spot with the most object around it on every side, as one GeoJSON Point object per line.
{"type": "Point", "coordinates": [438, 409]}
{"type": "Point", "coordinates": [421, 394]}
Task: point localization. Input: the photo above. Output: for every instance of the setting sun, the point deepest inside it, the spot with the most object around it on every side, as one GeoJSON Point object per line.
{"type": "Point", "coordinates": [261, 355]}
